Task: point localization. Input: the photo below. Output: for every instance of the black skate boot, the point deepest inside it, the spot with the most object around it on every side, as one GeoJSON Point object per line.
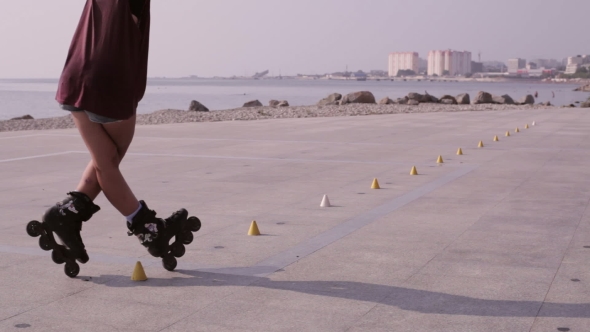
{"type": "Point", "coordinates": [65, 219]}
{"type": "Point", "coordinates": [155, 233]}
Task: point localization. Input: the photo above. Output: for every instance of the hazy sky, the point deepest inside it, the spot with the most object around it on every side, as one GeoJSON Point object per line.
{"type": "Point", "coordinates": [237, 37]}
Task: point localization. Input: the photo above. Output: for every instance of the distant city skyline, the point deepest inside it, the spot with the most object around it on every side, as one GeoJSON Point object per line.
{"type": "Point", "coordinates": [234, 37]}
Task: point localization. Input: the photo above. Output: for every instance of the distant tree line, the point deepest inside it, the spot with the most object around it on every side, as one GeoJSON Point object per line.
{"type": "Point", "coordinates": [405, 72]}
{"type": "Point", "coordinates": [582, 72]}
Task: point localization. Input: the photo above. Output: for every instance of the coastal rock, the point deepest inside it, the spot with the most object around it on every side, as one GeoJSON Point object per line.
{"type": "Point", "coordinates": [283, 103]}
{"type": "Point", "coordinates": [527, 100]}
{"type": "Point", "coordinates": [273, 103]}
{"type": "Point", "coordinates": [343, 100]}
{"type": "Point", "coordinates": [24, 117]}
{"type": "Point", "coordinates": [195, 106]}
{"type": "Point", "coordinates": [483, 98]}
{"type": "Point", "coordinates": [463, 99]}
{"type": "Point", "coordinates": [413, 102]}
{"type": "Point", "coordinates": [503, 100]}
{"type": "Point", "coordinates": [547, 103]}
{"type": "Point", "coordinates": [401, 101]}
{"type": "Point", "coordinates": [360, 97]}
{"type": "Point", "coordinates": [386, 101]}
{"type": "Point", "coordinates": [430, 99]}
{"type": "Point", "coordinates": [422, 98]}
{"type": "Point", "coordinates": [253, 103]}
{"type": "Point", "coordinates": [332, 99]}
{"type": "Point", "coordinates": [508, 100]}
{"type": "Point", "coordinates": [418, 97]}
{"type": "Point", "coordinates": [584, 88]}
{"type": "Point", "coordinates": [449, 100]}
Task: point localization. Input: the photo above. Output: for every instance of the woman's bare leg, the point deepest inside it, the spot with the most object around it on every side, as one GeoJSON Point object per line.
{"type": "Point", "coordinates": [121, 134]}
{"type": "Point", "coordinates": [101, 141]}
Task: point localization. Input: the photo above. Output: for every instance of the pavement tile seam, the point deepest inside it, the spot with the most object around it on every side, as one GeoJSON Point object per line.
{"type": "Point", "coordinates": [314, 244]}
{"type": "Point", "coordinates": [561, 265]}
{"type": "Point", "coordinates": [35, 307]}
{"type": "Point", "coordinates": [500, 201]}
{"type": "Point", "coordinates": [276, 159]}
{"type": "Point", "coordinates": [345, 143]}
{"type": "Point", "coordinates": [36, 157]}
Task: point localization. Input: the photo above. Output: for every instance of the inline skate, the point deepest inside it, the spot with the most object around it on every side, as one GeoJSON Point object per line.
{"type": "Point", "coordinates": [155, 233]}
{"type": "Point", "coordinates": [65, 220]}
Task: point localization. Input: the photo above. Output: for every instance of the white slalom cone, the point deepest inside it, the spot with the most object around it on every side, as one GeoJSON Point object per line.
{"type": "Point", "coordinates": [325, 202]}
{"type": "Point", "coordinates": [534, 123]}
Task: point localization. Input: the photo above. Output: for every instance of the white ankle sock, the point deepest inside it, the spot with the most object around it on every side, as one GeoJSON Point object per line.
{"type": "Point", "coordinates": [131, 216]}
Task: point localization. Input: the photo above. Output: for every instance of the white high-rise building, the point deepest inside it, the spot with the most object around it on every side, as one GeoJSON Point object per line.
{"type": "Point", "coordinates": [403, 61]}
{"type": "Point", "coordinates": [514, 65]}
{"type": "Point", "coordinates": [575, 60]}
{"type": "Point", "coordinates": [455, 62]}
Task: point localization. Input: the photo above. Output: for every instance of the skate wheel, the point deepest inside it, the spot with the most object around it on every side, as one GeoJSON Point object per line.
{"type": "Point", "coordinates": [187, 237]}
{"type": "Point", "coordinates": [177, 249]}
{"type": "Point", "coordinates": [72, 269]}
{"type": "Point", "coordinates": [194, 224]}
{"type": "Point", "coordinates": [34, 228]}
{"type": "Point", "coordinates": [45, 243]}
{"type": "Point", "coordinates": [169, 263]}
{"type": "Point", "coordinates": [57, 257]}
{"type": "Point", "coordinates": [83, 258]}
{"type": "Point", "coordinates": [155, 251]}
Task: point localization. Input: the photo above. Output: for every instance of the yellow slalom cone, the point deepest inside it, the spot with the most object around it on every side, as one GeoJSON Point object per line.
{"type": "Point", "coordinates": [414, 171]}
{"type": "Point", "coordinates": [439, 160]}
{"type": "Point", "coordinates": [459, 152]}
{"type": "Point", "coordinates": [526, 126]}
{"type": "Point", "coordinates": [507, 134]}
{"type": "Point", "coordinates": [253, 229]}
{"type": "Point", "coordinates": [138, 273]}
{"type": "Point", "coordinates": [375, 184]}
{"type": "Point", "coordinates": [325, 202]}
{"type": "Point", "coordinates": [517, 130]}
{"type": "Point", "coordinates": [496, 139]}
{"type": "Point", "coordinates": [480, 145]}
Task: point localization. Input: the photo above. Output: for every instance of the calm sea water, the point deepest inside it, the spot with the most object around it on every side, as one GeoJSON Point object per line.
{"type": "Point", "coordinates": [37, 96]}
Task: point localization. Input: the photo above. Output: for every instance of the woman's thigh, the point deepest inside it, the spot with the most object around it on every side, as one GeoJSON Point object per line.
{"type": "Point", "coordinates": [107, 143]}
{"type": "Point", "coordinates": [122, 134]}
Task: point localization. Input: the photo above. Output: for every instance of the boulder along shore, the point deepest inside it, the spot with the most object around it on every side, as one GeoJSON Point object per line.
{"type": "Point", "coordinates": [268, 112]}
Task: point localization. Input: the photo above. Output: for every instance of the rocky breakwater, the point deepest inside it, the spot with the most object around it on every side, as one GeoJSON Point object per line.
{"type": "Point", "coordinates": [483, 97]}
{"type": "Point", "coordinates": [584, 88]}
{"type": "Point", "coordinates": [353, 104]}
{"type": "Point", "coordinates": [414, 98]}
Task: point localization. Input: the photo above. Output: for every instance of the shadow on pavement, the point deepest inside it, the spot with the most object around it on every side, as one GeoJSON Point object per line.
{"type": "Point", "coordinates": [403, 298]}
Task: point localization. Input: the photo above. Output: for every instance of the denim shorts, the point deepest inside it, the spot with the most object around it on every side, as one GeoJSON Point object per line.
{"type": "Point", "coordinates": [92, 116]}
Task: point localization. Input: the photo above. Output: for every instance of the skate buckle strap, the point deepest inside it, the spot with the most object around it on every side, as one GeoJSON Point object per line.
{"type": "Point", "coordinates": [85, 210]}
{"type": "Point", "coordinates": [149, 233]}
{"type": "Point", "coordinates": [68, 206]}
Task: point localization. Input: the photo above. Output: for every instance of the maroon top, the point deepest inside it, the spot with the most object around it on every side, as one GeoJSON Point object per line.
{"type": "Point", "coordinates": [106, 69]}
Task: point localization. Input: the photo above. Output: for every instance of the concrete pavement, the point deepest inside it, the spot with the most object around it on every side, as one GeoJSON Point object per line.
{"type": "Point", "coordinates": [495, 240]}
